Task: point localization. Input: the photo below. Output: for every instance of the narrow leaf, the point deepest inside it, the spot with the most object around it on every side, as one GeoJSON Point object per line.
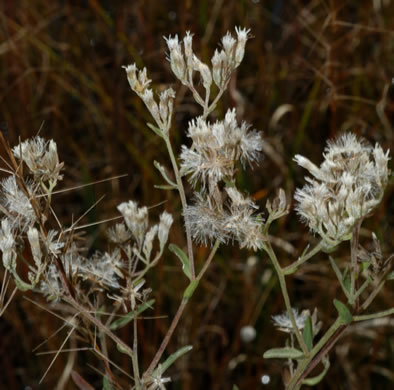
{"type": "Point", "coordinates": [163, 172]}
{"type": "Point", "coordinates": [343, 312]}
{"type": "Point", "coordinates": [164, 187]}
{"type": "Point", "coordinates": [283, 353]}
{"type": "Point", "coordinates": [123, 350]}
{"type": "Point", "coordinates": [341, 278]}
{"type": "Point", "coordinates": [183, 258]}
{"type": "Point", "coordinates": [155, 129]}
{"type": "Point", "coordinates": [317, 379]}
{"type": "Point", "coordinates": [190, 289]}
{"type": "Point", "coordinates": [172, 358]}
{"type": "Point", "coordinates": [347, 281]}
{"type": "Point", "coordinates": [307, 334]}
{"type": "Point", "coordinates": [106, 385]}
{"type": "Point", "coordinates": [130, 316]}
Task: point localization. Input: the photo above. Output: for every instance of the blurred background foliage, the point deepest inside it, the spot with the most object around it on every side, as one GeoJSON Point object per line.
{"type": "Point", "coordinates": [313, 69]}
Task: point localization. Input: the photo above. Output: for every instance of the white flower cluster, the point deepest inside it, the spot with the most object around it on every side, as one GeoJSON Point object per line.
{"type": "Point", "coordinates": [217, 147]}
{"type": "Point", "coordinates": [56, 257]}
{"type": "Point", "coordinates": [212, 159]}
{"type": "Point", "coordinates": [347, 186]}
{"type": "Point", "coordinates": [137, 222]}
{"type": "Point", "coordinates": [102, 270]}
{"type": "Point", "coordinates": [224, 62]}
{"type": "Point", "coordinates": [41, 157]}
{"type": "Point", "coordinates": [233, 220]}
{"type": "Point", "coordinates": [139, 83]}
{"type": "Point", "coordinates": [15, 203]}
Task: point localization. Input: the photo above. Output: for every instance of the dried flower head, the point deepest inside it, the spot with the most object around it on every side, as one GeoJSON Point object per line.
{"type": "Point", "coordinates": [136, 219]}
{"type": "Point", "coordinates": [41, 157]}
{"type": "Point", "coordinates": [347, 186]}
{"type": "Point", "coordinates": [283, 322]}
{"type": "Point", "coordinates": [17, 204]}
{"type": "Point", "coordinates": [139, 83]}
{"type": "Point", "coordinates": [7, 244]}
{"type": "Point", "coordinates": [208, 221]}
{"type": "Point", "coordinates": [217, 147]}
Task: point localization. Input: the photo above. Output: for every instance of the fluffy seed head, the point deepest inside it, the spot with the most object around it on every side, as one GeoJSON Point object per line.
{"type": "Point", "coordinates": [346, 187]}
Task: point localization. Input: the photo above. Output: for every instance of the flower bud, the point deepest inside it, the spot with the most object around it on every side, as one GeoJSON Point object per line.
{"type": "Point", "coordinates": [219, 61]}
{"type": "Point", "coordinates": [166, 105]}
{"type": "Point", "coordinates": [149, 101]}
{"type": "Point", "coordinates": [204, 71]}
{"type": "Point", "coordinates": [177, 61]}
{"type": "Point", "coordinates": [187, 41]}
{"type": "Point", "coordinates": [242, 37]}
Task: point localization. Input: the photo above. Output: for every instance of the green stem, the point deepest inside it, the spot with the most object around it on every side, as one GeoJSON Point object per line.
{"type": "Point", "coordinates": [373, 295]}
{"type": "Point", "coordinates": [209, 260]}
{"type": "Point", "coordinates": [178, 315]}
{"type": "Point", "coordinates": [282, 282]}
{"type": "Point", "coordinates": [208, 110]}
{"type": "Point", "coordinates": [182, 195]}
{"type": "Point", "coordinates": [134, 357]}
{"type": "Point", "coordinates": [354, 264]}
{"type": "Point", "coordinates": [167, 337]}
{"type": "Point", "coordinates": [290, 269]}
{"type": "Point", "coordinates": [380, 314]}
{"type": "Point", "coordinates": [323, 342]}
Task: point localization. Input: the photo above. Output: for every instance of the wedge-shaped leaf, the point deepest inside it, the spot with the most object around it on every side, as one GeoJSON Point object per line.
{"type": "Point", "coordinates": [172, 358]}
{"type": "Point", "coordinates": [343, 312]}
{"type": "Point", "coordinates": [131, 315]}
{"type": "Point", "coordinates": [183, 258]}
{"type": "Point", "coordinates": [163, 172]}
{"type": "Point", "coordinates": [283, 353]}
{"type": "Point", "coordinates": [307, 334]}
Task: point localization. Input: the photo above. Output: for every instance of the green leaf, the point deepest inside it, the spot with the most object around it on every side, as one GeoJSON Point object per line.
{"type": "Point", "coordinates": [343, 280]}
{"type": "Point", "coordinates": [183, 258]}
{"type": "Point", "coordinates": [283, 353]}
{"type": "Point", "coordinates": [190, 289]}
{"type": "Point", "coordinates": [390, 276]}
{"type": "Point", "coordinates": [235, 387]}
{"type": "Point", "coordinates": [161, 169]}
{"type": "Point", "coordinates": [164, 187]}
{"type": "Point", "coordinates": [123, 350]}
{"type": "Point", "coordinates": [155, 129]}
{"type": "Point", "coordinates": [343, 312]}
{"type": "Point", "coordinates": [172, 358]}
{"type": "Point", "coordinates": [365, 265]}
{"type": "Point", "coordinates": [106, 385]}
{"type": "Point", "coordinates": [330, 249]}
{"type": "Point", "coordinates": [130, 316]}
{"type": "Point", "coordinates": [307, 334]}
{"type": "Point", "coordinates": [347, 281]}
{"type": "Point", "coordinates": [317, 379]}
{"type": "Point", "coordinates": [20, 283]}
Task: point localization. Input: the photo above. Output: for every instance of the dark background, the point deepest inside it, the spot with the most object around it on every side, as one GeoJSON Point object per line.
{"type": "Point", "coordinates": [313, 70]}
